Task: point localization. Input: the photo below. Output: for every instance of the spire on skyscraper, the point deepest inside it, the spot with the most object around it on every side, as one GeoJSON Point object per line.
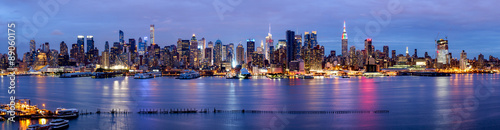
{"type": "Point", "coordinates": [269, 34]}
{"type": "Point", "coordinates": [344, 34]}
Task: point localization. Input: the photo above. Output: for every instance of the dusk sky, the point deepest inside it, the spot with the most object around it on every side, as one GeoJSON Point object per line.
{"type": "Point", "coordinates": [472, 26]}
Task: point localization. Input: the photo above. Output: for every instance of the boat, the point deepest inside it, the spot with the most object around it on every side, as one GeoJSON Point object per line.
{"type": "Point", "coordinates": [66, 113]}
{"type": "Point", "coordinates": [143, 76]}
{"type": "Point", "coordinates": [244, 74]}
{"type": "Point", "coordinates": [59, 124]}
{"type": "Point", "coordinates": [231, 76]}
{"type": "Point", "coordinates": [306, 77]}
{"type": "Point", "coordinates": [189, 75]}
{"type": "Point", "coordinates": [345, 76]}
{"type": "Point", "coordinates": [39, 127]}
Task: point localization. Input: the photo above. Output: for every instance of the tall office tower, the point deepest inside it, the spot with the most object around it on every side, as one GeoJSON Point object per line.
{"type": "Point", "coordinates": [480, 61]}
{"type": "Point", "coordinates": [217, 53]}
{"type": "Point", "coordinates": [81, 50]}
{"type": "Point", "coordinates": [90, 43]}
{"type": "Point", "coordinates": [463, 60]}
{"type": "Point", "coordinates": [230, 52]}
{"type": "Point", "coordinates": [298, 45]}
{"type": "Point", "coordinates": [260, 49]}
{"type": "Point", "coordinates": [46, 47]}
{"type": "Point", "coordinates": [415, 55]}
{"type": "Point", "coordinates": [202, 44]}
{"type": "Point", "coordinates": [269, 43]}
{"type": "Point", "coordinates": [307, 40]}
{"type": "Point", "coordinates": [105, 59]}
{"type": "Point", "coordinates": [106, 46]}
{"type": "Point", "coordinates": [208, 55]}
{"type": "Point", "coordinates": [224, 52]}
{"type": "Point", "coordinates": [240, 54]}
{"type": "Point", "coordinates": [32, 46]}
{"type": "Point", "coordinates": [353, 58]}
{"type": "Point", "coordinates": [193, 51]}
{"type": "Point", "coordinates": [344, 43]}
{"type": "Point", "coordinates": [211, 46]}
{"type": "Point", "coordinates": [121, 38]}
{"type": "Point", "coordinates": [184, 55]}
{"type": "Point", "coordinates": [393, 56]}
{"type": "Point", "coordinates": [179, 46]}
{"type": "Point", "coordinates": [369, 47]}
{"type": "Point", "coordinates": [152, 33]}
{"type": "Point", "coordinates": [132, 47]}
{"type": "Point", "coordinates": [250, 49]}
{"type": "Point", "coordinates": [141, 47]}
{"type": "Point", "coordinates": [314, 39]}
{"type": "Point", "coordinates": [386, 51]}
{"type": "Point", "coordinates": [290, 47]}
{"type": "Point", "coordinates": [63, 48]}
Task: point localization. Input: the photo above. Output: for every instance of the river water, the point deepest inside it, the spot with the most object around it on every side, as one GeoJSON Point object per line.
{"type": "Point", "coordinates": [463, 101]}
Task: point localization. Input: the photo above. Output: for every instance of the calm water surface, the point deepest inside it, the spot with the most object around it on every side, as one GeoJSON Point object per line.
{"type": "Point", "coordinates": [413, 102]}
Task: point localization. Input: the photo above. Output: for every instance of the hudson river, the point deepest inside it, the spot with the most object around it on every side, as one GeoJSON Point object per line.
{"type": "Point", "coordinates": [463, 101]}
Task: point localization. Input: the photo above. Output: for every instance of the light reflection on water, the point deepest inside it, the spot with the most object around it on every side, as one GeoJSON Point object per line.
{"type": "Point", "coordinates": [414, 102]}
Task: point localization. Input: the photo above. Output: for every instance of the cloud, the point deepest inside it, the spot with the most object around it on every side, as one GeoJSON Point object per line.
{"type": "Point", "coordinates": [57, 32]}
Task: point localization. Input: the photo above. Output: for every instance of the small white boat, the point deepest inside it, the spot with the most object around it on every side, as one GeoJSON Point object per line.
{"type": "Point", "coordinates": [67, 113]}
{"type": "Point", "coordinates": [143, 76]}
{"type": "Point", "coordinates": [59, 124]}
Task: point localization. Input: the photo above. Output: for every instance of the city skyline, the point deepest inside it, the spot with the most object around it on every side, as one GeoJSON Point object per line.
{"type": "Point", "coordinates": [411, 27]}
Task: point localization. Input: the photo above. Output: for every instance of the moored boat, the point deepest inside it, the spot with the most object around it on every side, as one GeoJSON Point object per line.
{"type": "Point", "coordinates": [244, 74]}
{"type": "Point", "coordinates": [66, 113]}
{"type": "Point", "coordinates": [189, 75]}
{"type": "Point", "coordinates": [143, 76]}
{"type": "Point", "coordinates": [58, 124]}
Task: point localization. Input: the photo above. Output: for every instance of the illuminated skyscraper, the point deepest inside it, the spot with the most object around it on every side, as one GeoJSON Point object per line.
{"type": "Point", "coordinates": [141, 48]}
{"type": "Point", "coordinates": [81, 49]}
{"type": "Point", "coordinates": [314, 39]}
{"type": "Point", "coordinates": [269, 43]}
{"type": "Point", "coordinates": [344, 42]}
{"type": "Point", "coordinates": [463, 60]}
{"type": "Point", "coordinates": [202, 44]}
{"type": "Point", "coordinates": [217, 53]}
{"type": "Point", "coordinates": [152, 33]}
{"type": "Point", "coordinates": [193, 51]}
{"type": "Point", "coordinates": [121, 38]}
{"type": "Point", "coordinates": [250, 49]}
{"type": "Point", "coordinates": [240, 54]}
{"type": "Point", "coordinates": [298, 45]}
{"type": "Point", "coordinates": [90, 43]}
{"type": "Point", "coordinates": [307, 40]}
{"type": "Point", "coordinates": [63, 48]}
{"type": "Point", "coordinates": [442, 54]}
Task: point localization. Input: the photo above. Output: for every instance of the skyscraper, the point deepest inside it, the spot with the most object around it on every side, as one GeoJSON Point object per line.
{"type": "Point", "coordinates": [224, 52]}
{"type": "Point", "coordinates": [63, 48]}
{"type": "Point", "coordinates": [218, 53]}
{"type": "Point", "coordinates": [386, 51]}
{"type": "Point", "coordinates": [314, 39]}
{"type": "Point", "coordinates": [298, 45]}
{"type": "Point", "coordinates": [32, 45]}
{"type": "Point", "coordinates": [269, 43]}
{"type": "Point", "coordinates": [463, 60]}
{"type": "Point", "coordinates": [106, 46]}
{"type": "Point", "coordinates": [442, 53]}
{"type": "Point", "coordinates": [81, 49]}
{"type": "Point", "coordinates": [344, 42]}
{"type": "Point", "coordinates": [121, 38]}
{"type": "Point", "coordinates": [203, 44]}
{"type": "Point", "coordinates": [90, 43]}
{"type": "Point", "coordinates": [290, 47]}
{"type": "Point", "coordinates": [307, 40]}
{"type": "Point", "coordinates": [250, 49]}
{"type": "Point", "coordinates": [193, 51]}
{"type": "Point", "coordinates": [152, 33]}
{"type": "Point", "coordinates": [368, 48]}
{"type": "Point", "coordinates": [132, 47]}
{"type": "Point", "coordinates": [240, 54]}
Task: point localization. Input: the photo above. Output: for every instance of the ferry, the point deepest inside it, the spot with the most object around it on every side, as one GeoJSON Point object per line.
{"type": "Point", "coordinates": [39, 127]}
{"type": "Point", "coordinates": [143, 76]}
{"type": "Point", "coordinates": [58, 124]}
{"type": "Point", "coordinates": [189, 75]}
{"type": "Point", "coordinates": [244, 74]}
{"type": "Point", "coordinates": [305, 77]}
{"type": "Point", "coordinates": [66, 113]}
